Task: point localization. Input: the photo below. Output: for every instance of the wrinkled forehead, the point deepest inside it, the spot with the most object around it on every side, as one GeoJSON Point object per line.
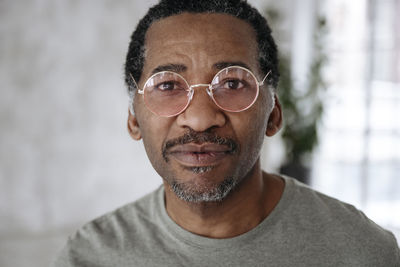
{"type": "Point", "coordinates": [215, 34]}
{"type": "Point", "coordinates": [207, 22]}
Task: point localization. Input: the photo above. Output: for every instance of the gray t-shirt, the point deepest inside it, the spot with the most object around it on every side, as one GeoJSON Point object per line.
{"type": "Point", "coordinates": [306, 228]}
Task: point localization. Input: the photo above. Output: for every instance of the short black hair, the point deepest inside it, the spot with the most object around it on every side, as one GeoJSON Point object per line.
{"type": "Point", "coordinates": [268, 55]}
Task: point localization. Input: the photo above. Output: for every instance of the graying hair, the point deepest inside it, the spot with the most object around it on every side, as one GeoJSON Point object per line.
{"type": "Point", "coordinates": [216, 194]}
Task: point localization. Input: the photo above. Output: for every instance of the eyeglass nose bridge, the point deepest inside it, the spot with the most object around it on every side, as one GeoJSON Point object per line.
{"type": "Point", "coordinates": [209, 89]}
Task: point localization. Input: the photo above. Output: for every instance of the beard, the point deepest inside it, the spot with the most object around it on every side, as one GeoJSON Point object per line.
{"type": "Point", "coordinates": [194, 193]}
{"type": "Point", "coordinates": [204, 191]}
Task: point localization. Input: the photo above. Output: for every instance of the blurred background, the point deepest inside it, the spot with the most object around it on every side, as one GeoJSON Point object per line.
{"type": "Point", "coordinates": [65, 154]}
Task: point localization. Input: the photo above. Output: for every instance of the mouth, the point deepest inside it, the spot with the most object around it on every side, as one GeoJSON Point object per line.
{"type": "Point", "coordinates": [200, 155]}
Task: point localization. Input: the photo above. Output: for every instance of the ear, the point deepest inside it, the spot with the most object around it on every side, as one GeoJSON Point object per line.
{"type": "Point", "coordinates": [275, 119]}
{"type": "Point", "coordinates": [133, 127]}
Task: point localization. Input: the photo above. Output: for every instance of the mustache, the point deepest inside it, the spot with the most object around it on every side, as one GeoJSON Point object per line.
{"type": "Point", "coordinates": [200, 138]}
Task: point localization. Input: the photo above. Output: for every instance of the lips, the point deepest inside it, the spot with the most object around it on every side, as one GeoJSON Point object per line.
{"type": "Point", "coordinates": [194, 155]}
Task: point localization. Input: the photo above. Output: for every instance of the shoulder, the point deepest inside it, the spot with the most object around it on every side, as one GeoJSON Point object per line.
{"type": "Point", "coordinates": [105, 238]}
{"type": "Point", "coordinates": [339, 224]}
{"type": "Point", "coordinates": [317, 209]}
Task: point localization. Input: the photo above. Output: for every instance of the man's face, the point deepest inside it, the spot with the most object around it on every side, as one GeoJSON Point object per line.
{"type": "Point", "coordinates": [203, 152]}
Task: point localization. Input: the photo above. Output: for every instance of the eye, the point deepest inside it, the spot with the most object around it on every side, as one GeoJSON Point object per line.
{"type": "Point", "coordinates": [232, 84]}
{"type": "Point", "coordinates": [166, 86]}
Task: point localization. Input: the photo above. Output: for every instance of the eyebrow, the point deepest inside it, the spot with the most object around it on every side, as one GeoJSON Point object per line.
{"type": "Point", "coordinates": [224, 64]}
{"type": "Point", "coordinates": [170, 67]}
{"type": "Point", "coordinates": [179, 68]}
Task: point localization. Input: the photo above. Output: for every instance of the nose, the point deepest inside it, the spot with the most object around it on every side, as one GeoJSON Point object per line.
{"type": "Point", "coordinates": [201, 114]}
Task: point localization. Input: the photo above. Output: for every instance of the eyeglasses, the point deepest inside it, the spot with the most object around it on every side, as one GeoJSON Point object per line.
{"type": "Point", "coordinates": [233, 89]}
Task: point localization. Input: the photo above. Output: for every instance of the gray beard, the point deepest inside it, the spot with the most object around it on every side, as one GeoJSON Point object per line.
{"type": "Point", "coordinates": [191, 193]}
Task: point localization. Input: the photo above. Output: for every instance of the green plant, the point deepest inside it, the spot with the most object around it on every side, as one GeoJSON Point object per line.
{"type": "Point", "coordinates": [302, 110]}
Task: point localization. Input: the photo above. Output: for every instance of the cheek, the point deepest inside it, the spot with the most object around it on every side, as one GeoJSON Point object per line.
{"type": "Point", "coordinates": [155, 131]}
{"type": "Point", "coordinates": [253, 125]}
{"type": "Point", "coordinates": [148, 124]}
{"type": "Point", "coordinates": [250, 130]}
{"type": "Point", "coordinates": [265, 106]}
{"type": "Point", "coordinates": [152, 141]}
{"type": "Point", "coordinates": [152, 136]}
{"type": "Point", "coordinates": [256, 120]}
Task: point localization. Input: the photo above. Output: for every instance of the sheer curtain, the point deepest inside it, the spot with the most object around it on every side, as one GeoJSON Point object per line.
{"type": "Point", "coordinates": [358, 159]}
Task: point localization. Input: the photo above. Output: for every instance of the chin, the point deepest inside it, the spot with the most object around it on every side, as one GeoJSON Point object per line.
{"type": "Point", "coordinates": [203, 191]}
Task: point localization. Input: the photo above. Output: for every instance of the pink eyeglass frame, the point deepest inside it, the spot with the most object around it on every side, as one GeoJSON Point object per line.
{"type": "Point", "coordinates": [208, 90]}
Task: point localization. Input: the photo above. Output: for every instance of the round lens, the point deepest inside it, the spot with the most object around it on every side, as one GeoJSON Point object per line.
{"type": "Point", "coordinates": [234, 89]}
{"type": "Point", "coordinates": [166, 93]}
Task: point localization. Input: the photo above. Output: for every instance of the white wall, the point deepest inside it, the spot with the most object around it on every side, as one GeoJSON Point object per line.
{"type": "Point", "coordinates": [65, 155]}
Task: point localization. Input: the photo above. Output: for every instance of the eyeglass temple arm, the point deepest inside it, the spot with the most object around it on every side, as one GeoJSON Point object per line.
{"type": "Point", "coordinates": [262, 82]}
{"type": "Point", "coordinates": [140, 91]}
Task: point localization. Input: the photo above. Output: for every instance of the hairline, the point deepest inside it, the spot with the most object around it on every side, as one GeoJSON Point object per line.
{"type": "Point", "coordinates": [262, 34]}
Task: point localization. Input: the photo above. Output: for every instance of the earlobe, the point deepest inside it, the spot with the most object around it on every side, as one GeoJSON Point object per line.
{"type": "Point", "coordinates": [275, 119]}
{"type": "Point", "coordinates": [133, 127]}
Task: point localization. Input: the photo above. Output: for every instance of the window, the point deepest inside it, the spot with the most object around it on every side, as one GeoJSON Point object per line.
{"type": "Point", "coordinates": [358, 159]}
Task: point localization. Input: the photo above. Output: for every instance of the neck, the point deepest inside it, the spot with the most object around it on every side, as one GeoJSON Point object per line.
{"type": "Point", "coordinates": [242, 210]}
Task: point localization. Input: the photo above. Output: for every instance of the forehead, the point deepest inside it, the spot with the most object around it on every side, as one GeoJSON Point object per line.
{"type": "Point", "coordinates": [203, 39]}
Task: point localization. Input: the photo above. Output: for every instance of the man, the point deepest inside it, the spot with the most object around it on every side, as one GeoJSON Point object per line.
{"type": "Point", "coordinates": [201, 76]}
